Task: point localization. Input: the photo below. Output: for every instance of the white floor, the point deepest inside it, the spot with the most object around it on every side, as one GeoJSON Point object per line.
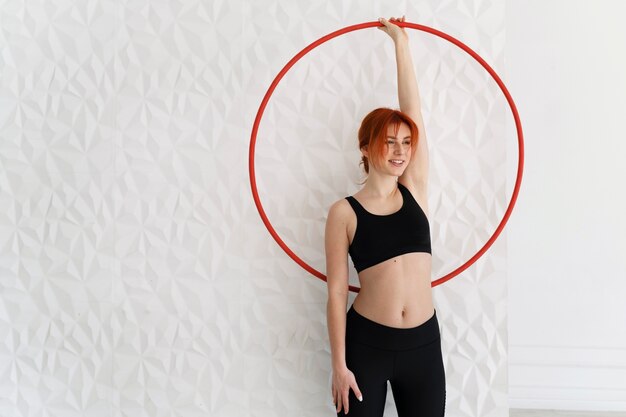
{"type": "Point", "coordinates": [513, 412]}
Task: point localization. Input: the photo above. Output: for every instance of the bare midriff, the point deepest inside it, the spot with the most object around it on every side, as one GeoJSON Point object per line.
{"type": "Point", "coordinates": [397, 292]}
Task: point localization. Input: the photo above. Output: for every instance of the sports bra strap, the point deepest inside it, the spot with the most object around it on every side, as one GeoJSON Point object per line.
{"type": "Point", "coordinates": [356, 206]}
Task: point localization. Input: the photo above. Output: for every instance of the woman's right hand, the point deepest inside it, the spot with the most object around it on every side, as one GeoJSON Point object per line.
{"type": "Point", "coordinates": [343, 380]}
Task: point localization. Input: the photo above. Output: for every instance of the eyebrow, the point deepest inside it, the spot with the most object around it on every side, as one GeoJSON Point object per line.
{"type": "Point", "coordinates": [393, 137]}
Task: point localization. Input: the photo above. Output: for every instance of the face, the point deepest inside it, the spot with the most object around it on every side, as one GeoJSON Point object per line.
{"type": "Point", "coordinates": [398, 150]}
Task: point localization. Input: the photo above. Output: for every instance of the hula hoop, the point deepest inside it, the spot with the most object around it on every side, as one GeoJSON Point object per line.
{"type": "Point", "coordinates": [257, 120]}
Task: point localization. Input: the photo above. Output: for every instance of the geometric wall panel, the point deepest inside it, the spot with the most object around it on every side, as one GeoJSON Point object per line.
{"type": "Point", "coordinates": [137, 277]}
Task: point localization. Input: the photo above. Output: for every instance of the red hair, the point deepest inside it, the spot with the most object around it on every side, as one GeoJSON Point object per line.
{"type": "Point", "coordinates": [373, 133]}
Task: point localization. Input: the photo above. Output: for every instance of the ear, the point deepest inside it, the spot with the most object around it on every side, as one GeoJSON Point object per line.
{"type": "Point", "coordinates": [364, 151]}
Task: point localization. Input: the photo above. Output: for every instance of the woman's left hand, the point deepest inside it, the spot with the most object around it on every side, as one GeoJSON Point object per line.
{"type": "Point", "coordinates": [390, 28]}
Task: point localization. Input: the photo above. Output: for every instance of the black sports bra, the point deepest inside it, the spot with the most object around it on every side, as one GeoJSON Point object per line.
{"type": "Point", "coordinates": [381, 237]}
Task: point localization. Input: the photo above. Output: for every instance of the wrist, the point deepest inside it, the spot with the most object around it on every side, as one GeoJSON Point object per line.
{"type": "Point", "coordinates": [337, 367]}
{"type": "Point", "coordinates": [402, 42]}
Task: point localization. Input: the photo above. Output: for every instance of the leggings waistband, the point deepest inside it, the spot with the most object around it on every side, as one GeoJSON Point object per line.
{"type": "Point", "coordinates": [360, 329]}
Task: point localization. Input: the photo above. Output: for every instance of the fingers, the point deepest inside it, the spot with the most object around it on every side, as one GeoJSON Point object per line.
{"type": "Point", "coordinates": [387, 24]}
{"type": "Point", "coordinates": [337, 399]}
{"type": "Point", "coordinates": [357, 391]}
{"type": "Point", "coordinates": [392, 20]}
{"type": "Point", "coordinates": [341, 396]}
{"type": "Point", "coordinates": [346, 403]}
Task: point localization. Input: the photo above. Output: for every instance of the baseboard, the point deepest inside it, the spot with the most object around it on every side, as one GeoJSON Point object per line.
{"type": "Point", "coordinates": [567, 378]}
{"type": "Point", "coordinates": [562, 413]}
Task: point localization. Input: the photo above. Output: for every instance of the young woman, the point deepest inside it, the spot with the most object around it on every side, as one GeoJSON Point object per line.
{"type": "Point", "coordinates": [391, 331]}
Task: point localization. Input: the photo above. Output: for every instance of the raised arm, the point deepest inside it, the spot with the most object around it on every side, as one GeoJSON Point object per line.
{"type": "Point", "coordinates": [416, 172]}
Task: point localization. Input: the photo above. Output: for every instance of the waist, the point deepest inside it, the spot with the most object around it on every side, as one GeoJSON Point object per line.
{"type": "Point", "coordinates": [360, 329]}
{"type": "Point", "coordinates": [405, 280]}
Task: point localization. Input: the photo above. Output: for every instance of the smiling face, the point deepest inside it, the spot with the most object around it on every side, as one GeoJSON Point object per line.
{"type": "Point", "coordinates": [387, 135]}
{"type": "Point", "coordinates": [396, 152]}
{"type": "Point", "coordinates": [398, 147]}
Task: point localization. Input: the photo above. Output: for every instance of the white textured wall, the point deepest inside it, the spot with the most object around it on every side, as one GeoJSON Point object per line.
{"type": "Point", "coordinates": [567, 242]}
{"type": "Point", "coordinates": [137, 277]}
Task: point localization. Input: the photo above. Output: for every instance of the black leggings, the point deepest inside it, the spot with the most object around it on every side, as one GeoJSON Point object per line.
{"type": "Point", "coordinates": [409, 358]}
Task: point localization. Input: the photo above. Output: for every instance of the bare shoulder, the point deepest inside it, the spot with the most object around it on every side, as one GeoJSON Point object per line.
{"type": "Point", "coordinates": [339, 213]}
{"type": "Point", "coordinates": [340, 224]}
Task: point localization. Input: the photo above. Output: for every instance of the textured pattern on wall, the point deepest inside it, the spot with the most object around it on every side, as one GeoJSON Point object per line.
{"type": "Point", "coordinates": [137, 277]}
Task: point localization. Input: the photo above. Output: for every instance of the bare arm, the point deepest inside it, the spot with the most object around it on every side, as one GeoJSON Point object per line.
{"type": "Point", "coordinates": [336, 243]}
{"type": "Point", "coordinates": [416, 172]}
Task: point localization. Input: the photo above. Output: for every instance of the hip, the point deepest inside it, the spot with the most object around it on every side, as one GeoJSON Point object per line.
{"type": "Point", "coordinates": [360, 329]}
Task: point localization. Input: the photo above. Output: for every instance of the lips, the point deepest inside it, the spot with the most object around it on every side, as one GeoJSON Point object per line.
{"type": "Point", "coordinates": [396, 162]}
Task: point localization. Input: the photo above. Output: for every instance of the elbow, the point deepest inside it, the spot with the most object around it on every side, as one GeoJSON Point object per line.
{"type": "Point", "coordinates": [337, 297]}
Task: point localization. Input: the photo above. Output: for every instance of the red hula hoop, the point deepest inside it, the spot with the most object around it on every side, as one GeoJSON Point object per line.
{"type": "Point", "coordinates": [520, 138]}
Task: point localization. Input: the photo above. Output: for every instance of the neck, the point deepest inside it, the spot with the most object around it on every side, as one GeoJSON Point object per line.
{"type": "Point", "coordinates": [379, 186]}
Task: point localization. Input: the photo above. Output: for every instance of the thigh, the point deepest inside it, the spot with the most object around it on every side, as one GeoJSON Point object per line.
{"type": "Point", "coordinates": [372, 368]}
{"type": "Point", "coordinates": [419, 382]}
